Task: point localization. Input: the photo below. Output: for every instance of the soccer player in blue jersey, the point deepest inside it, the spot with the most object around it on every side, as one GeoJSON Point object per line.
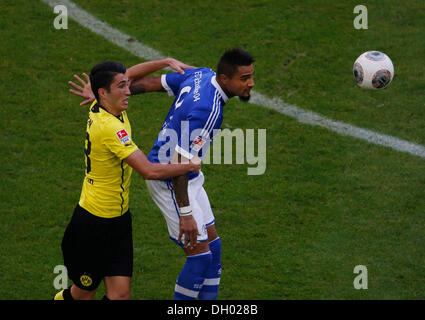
{"type": "Point", "coordinates": [188, 129]}
{"type": "Point", "coordinates": [187, 132]}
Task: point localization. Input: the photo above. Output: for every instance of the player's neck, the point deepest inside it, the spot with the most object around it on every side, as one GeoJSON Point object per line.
{"type": "Point", "coordinates": [110, 109]}
{"type": "Point", "coordinates": [223, 87]}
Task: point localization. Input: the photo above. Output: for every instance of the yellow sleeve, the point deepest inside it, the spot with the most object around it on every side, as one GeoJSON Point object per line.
{"type": "Point", "coordinates": [117, 138]}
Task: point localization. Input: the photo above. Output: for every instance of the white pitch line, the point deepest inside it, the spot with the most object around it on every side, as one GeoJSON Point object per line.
{"type": "Point", "coordinates": [142, 51]}
{"type": "Point", "coordinates": [339, 127]}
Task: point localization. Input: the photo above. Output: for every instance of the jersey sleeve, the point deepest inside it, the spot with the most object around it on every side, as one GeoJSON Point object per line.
{"type": "Point", "coordinates": [118, 140]}
{"type": "Point", "coordinates": [196, 132]}
{"type": "Point", "coordinates": [171, 82]}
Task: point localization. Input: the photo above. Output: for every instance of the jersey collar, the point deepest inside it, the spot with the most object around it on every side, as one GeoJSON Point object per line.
{"type": "Point", "coordinates": [95, 108]}
{"type": "Point", "coordinates": [217, 86]}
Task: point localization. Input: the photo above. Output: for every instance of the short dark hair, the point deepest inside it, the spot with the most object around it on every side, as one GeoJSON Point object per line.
{"type": "Point", "coordinates": [102, 75]}
{"type": "Point", "coordinates": [231, 60]}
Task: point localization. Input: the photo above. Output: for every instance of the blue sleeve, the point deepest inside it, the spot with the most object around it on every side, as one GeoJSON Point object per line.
{"type": "Point", "coordinates": [196, 132]}
{"type": "Point", "coordinates": [171, 82]}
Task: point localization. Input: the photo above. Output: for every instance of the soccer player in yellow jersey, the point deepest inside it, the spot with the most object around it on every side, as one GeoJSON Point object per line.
{"type": "Point", "coordinates": [97, 244]}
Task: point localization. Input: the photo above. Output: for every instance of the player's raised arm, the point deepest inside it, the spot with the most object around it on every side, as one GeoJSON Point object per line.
{"type": "Point", "coordinates": [146, 84]}
{"type": "Point", "coordinates": [154, 171]}
{"type": "Point", "coordinates": [139, 83]}
{"type": "Point", "coordinates": [145, 68]}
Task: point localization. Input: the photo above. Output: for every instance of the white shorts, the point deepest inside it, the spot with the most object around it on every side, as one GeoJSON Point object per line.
{"type": "Point", "coordinates": [162, 194]}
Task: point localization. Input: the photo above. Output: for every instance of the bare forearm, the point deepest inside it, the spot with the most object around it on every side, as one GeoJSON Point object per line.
{"type": "Point", "coordinates": [164, 171]}
{"type": "Point", "coordinates": [141, 84]}
{"type": "Point", "coordinates": [180, 190]}
{"type": "Point", "coordinates": [153, 171]}
{"type": "Point", "coordinates": [143, 69]}
{"type": "Point", "coordinates": [148, 84]}
{"type": "Point", "coordinates": [137, 76]}
{"type": "Point", "coordinates": [188, 225]}
{"type": "Point", "coordinates": [180, 183]}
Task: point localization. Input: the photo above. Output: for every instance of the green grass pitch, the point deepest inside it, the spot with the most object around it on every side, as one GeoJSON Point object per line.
{"type": "Point", "coordinates": [326, 202]}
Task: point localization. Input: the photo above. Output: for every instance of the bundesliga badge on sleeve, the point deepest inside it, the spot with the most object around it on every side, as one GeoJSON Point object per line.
{"type": "Point", "coordinates": [123, 136]}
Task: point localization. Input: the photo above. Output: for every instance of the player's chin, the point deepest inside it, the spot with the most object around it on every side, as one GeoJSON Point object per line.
{"type": "Point", "coordinates": [245, 98]}
{"type": "Point", "coordinates": [124, 105]}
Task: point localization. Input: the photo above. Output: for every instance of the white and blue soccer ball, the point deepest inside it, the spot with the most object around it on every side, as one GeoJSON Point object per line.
{"type": "Point", "coordinates": [373, 70]}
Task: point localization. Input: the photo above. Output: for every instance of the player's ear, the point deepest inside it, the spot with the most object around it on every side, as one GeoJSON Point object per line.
{"type": "Point", "coordinates": [102, 93]}
{"type": "Point", "coordinates": [223, 78]}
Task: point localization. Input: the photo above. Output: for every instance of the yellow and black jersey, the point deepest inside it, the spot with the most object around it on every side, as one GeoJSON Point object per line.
{"type": "Point", "coordinates": [105, 191]}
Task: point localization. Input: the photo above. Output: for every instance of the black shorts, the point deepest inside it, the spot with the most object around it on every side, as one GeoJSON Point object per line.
{"type": "Point", "coordinates": [95, 247]}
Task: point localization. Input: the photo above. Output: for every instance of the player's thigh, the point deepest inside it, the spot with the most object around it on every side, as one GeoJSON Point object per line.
{"type": "Point", "coordinates": [212, 233]}
{"type": "Point", "coordinates": [119, 255]}
{"type": "Point", "coordinates": [201, 247]}
{"type": "Point", "coordinates": [117, 287]}
{"type": "Point", "coordinates": [202, 212]}
{"type": "Point", "coordinates": [82, 250]}
{"type": "Point", "coordinates": [162, 194]}
{"type": "Point", "coordinates": [203, 202]}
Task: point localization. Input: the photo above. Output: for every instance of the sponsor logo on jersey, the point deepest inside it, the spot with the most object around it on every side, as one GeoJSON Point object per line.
{"type": "Point", "coordinates": [123, 136]}
{"type": "Point", "coordinates": [197, 82]}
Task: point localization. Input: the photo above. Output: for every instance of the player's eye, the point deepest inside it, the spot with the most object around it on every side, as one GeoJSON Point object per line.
{"type": "Point", "coordinates": [124, 85]}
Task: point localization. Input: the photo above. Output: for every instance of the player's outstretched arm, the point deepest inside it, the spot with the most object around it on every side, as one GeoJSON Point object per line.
{"type": "Point", "coordinates": [142, 85]}
{"type": "Point", "coordinates": [154, 171]}
{"type": "Point", "coordinates": [145, 68]}
{"type": "Point", "coordinates": [139, 83]}
{"type": "Point", "coordinates": [147, 84]}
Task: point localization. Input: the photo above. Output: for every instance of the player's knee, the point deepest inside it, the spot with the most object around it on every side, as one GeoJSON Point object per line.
{"type": "Point", "coordinates": [80, 294]}
{"type": "Point", "coordinates": [119, 295]}
{"type": "Point", "coordinates": [194, 271]}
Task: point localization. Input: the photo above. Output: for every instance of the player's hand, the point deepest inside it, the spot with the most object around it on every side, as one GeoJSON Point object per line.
{"type": "Point", "coordinates": [84, 91]}
{"type": "Point", "coordinates": [178, 65]}
{"type": "Point", "coordinates": [189, 228]}
{"type": "Point", "coordinates": [196, 163]}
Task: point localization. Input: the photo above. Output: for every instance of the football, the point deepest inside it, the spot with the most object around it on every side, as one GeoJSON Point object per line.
{"type": "Point", "coordinates": [373, 70]}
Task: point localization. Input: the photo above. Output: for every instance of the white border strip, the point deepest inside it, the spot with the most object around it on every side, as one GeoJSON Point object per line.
{"type": "Point", "coordinates": [165, 85]}
{"type": "Point", "coordinates": [142, 51]}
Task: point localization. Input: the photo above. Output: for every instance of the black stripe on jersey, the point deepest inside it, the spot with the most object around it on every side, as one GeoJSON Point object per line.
{"type": "Point", "coordinates": [122, 187]}
{"type": "Point", "coordinates": [120, 118]}
{"type": "Point", "coordinates": [95, 108]}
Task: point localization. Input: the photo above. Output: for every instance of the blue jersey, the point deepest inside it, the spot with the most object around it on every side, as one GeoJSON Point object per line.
{"type": "Point", "coordinates": [195, 116]}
